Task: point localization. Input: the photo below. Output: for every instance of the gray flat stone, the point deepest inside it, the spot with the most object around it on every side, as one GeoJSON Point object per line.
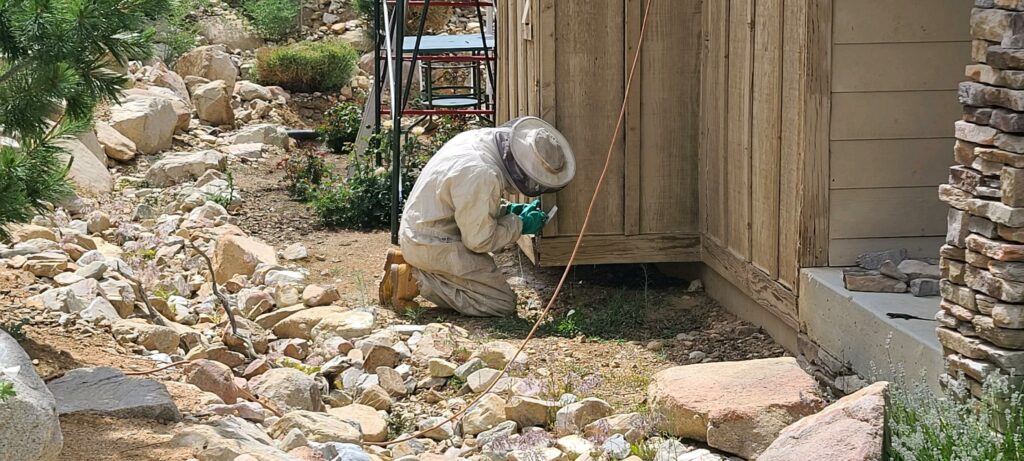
{"type": "Point", "coordinates": [107, 391]}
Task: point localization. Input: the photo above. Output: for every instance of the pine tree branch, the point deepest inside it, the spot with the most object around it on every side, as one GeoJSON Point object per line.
{"type": "Point", "coordinates": [13, 70]}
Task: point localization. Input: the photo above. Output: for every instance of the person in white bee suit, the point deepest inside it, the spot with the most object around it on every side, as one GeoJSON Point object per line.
{"type": "Point", "coordinates": [455, 216]}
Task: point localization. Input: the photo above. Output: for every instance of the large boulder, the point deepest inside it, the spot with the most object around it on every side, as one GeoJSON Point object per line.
{"type": "Point", "coordinates": [372, 425]}
{"type": "Point", "coordinates": [88, 174]}
{"type": "Point", "coordinates": [236, 254]}
{"type": "Point", "coordinates": [107, 391]}
{"type": "Point", "coordinates": [153, 337]}
{"type": "Point", "coordinates": [289, 389]}
{"type": "Point", "coordinates": [178, 167]}
{"type": "Point", "coordinates": [248, 91]}
{"type": "Point", "coordinates": [214, 377]}
{"type": "Point", "coordinates": [227, 439]}
{"type": "Point", "coordinates": [850, 429]}
{"type": "Point", "coordinates": [302, 323]}
{"type": "Point", "coordinates": [29, 427]}
{"type": "Point", "coordinates": [738, 407]}
{"type": "Point", "coordinates": [317, 427]}
{"type": "Point", "coordinates": [231, 32]}
{"type": "Point", "coordinates": [349, 325]}
{"type": "Point", "coordinates": [487, 413]}
{"type": "Point", "coordinates": [213, 103]}
{"type": "Point", "coordinates": [182, 106]}
{"type": "Point", "coordinates": [115, 145]}
{"type": "Point", "coordinates": [264, 133]}
{"type": "Point", "coordinates": [210, 62]}
{"type": "Point", "coordinates": [149, 121]}
{"type": "Point", "coordinates": [159, 75]}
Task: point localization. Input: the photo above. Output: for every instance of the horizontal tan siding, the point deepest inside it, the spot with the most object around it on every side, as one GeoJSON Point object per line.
{"type": "Point", "coordinates": [896, 66]}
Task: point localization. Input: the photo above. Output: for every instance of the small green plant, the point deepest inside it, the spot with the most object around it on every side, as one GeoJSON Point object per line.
{"type": "Point", "coordinates": [289, 362]}
{"type": "Point", "coordinates": [399, 423]}
{"type": "Point", "coordinates": [307, 66]}
{"type": "Point", "coordinates": [16, 329]}
{"type": "Point", "coordinates": [956, 426]}
{"type": "Point", "coordinates": [273, 19]}
{"type": "Point", "coordinates": [644, 450]}
{"type": "Point", "coordinates": [568, 326]}
{"type": "Point", "coordinates": [340, 126]}
{"type": "Point", "coordinates": [164, 293]}
{"type": "Point", "coordinates": [223, 199]}
{"type": "Point", "coordinates": [414, 314]}
{"type": "Point", "coordinates": [455, 383]}
{"type": "Point", "coordinates": [304, 173]}
{"type": "Point", "coordinates": [6, 390]}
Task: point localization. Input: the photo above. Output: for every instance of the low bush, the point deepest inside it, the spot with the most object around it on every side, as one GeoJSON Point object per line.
{"type": "Point", "coordinates": [304, 173]}
{"type": "Point", "coordinates": [340, 126]}
{"type": "Point", "coordinates": [307, 66]}
{"type": "Point", "coordinates": [273, 19]}
{"type": "Point", "coordinates": [176, 31]}
{"type": "Point", "coordinates": [956, 426]}
{"type": "Point", "coordinates": [362, 201]}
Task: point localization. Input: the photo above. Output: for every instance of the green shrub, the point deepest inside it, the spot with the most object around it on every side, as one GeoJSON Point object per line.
{"type": "Point", "coordinates": [178, 28]}
{"type": "Point", "coordinates": [304, 173]}
{"type": "Point", "coordinates": [956, 426]}
{"type": "Point", "coordinates": [363, 200]}
{"type": "Point", "coordinates": [273, 19]}
{"type": "Point", "coordinates": [307, 66]}
{"type": "Point", "coordinates": [340, 126]}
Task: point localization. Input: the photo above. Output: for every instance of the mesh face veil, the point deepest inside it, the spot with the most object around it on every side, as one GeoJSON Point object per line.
{"type": "Point", "coordinates": [542, 148]}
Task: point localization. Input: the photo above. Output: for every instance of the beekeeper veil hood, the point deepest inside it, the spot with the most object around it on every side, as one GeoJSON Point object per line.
{"type": "Point", "coordinates": [537, 158]}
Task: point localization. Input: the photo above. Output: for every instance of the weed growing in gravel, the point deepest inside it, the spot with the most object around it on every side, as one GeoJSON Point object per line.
{"type": "Point", "coordinates": [16, 329]}
{"type": "Point", "coordinates": [6, 390]}
{"type": "Point", "coordinates": [399, 423]}
{"type": "Point", "coordinates": [222, 199]}
{"type": "Point", "coordinates": [414, 314]}
{"type": "Point", "coordinates": [643, 449]}
{"type": "Point", "coordinates": [956, 426]}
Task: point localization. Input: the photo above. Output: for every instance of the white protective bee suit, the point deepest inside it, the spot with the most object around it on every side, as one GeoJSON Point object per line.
{"type": "Point", "coordinates": [453, 219]}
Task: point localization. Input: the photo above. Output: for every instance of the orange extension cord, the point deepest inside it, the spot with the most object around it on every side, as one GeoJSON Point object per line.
{"type": "Point", "coordinates": [572, 257]}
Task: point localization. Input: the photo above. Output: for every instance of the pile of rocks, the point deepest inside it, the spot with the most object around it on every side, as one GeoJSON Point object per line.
{"type": "Point", "coordinates": [311, 378]}
{"type": "Point", "coordinates": [982, 317]}
{"type": "Point", "coordinates": [891, 272]}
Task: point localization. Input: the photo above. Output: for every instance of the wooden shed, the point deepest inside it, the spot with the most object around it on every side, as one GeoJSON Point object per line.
{"type": "Point", "coordinates": [762, 136]}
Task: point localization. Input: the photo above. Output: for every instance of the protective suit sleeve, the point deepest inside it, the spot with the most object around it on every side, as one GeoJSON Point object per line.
{"type": "Point", "coordinates": [477, 202]}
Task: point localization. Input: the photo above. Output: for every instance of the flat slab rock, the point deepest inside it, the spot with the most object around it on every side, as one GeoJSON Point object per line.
{"type": "Point", "coordinates": [850, 429]}
{"type": "Point", "coordinates": [107, 391]}
{"type": "Point", "coordinates": [872, 281]}
{"type": "Point", "coordinates": [737, 407]}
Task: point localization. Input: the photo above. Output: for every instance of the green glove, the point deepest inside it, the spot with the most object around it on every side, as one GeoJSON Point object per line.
{"type": "Point", "coordinates": [533, 222]}
{"type": "Point", "coordinates": [520, 209]}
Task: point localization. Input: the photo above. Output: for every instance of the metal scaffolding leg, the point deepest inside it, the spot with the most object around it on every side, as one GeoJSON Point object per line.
{"type": "Point", "coordinates": [396, 118]}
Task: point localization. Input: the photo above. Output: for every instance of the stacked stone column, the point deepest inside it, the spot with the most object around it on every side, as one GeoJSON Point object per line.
{"type": "Point", "coordinates": [982, 317]}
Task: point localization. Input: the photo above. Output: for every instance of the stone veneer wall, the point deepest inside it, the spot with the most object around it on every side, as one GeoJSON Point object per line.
{"type": "Point", "coordinates": [982, 318]}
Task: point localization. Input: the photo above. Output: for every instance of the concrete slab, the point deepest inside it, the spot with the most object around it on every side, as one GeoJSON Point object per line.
{"type": "Point", "coordinates": [853, 327]}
